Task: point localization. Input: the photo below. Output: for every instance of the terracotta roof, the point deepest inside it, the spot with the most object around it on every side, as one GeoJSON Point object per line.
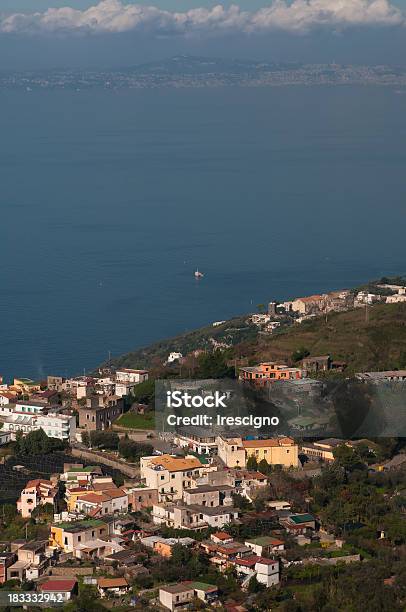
{"type": "Point", "coordinates": [222, 535]}
{"type": "Point", "coordinates": [249, 474]}
{"type": "Point", "coordinates": [265, 561]}
{"type": "Point", "coordinates": [7, 394]}
{"type": "Point", "coordinates": [176, 464]}
{"type": "Point", "coordinates": [103, 486]}
{"type": "Point", "coordinates": [268, 442]}
{"type": "Point", "coordinates": [248, 561]}
{"type": "Point", "coordinates": [95, 511]}
{"type": "Point", "coordinates": [108, 583]}
{"type": "Point", "coordinates": [59, 585]}
{"type": "Point", "coordinates": [35, 483]}
{"type": "Point", "coordinates": [114, 493]}
{"type": "Point", "coordinates": [93, 498]}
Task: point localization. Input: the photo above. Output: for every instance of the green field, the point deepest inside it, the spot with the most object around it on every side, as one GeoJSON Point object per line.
{"type": "Point", "coordinates": [136, 421]}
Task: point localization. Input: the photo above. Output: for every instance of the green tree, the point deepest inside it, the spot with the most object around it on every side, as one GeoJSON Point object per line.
{"type": "Point", "coordinates": [104, 439]}
{"type": "Point", "coordinates": [131, 450]}
{"type": "Point", "coordinates": [264, 467]}
{"type": "Point", "coordinates": [347, 458]}
{"type": "Point", "coordinates": [214, 365]}
{"type": "Point", "coordinates": [252, 463]}
{"type": "Point", "coordinates": [241, 502]}
{"type": "Point", "coordinates": [38, 443]}
{"type": "Point", "coordinates": [86, 438]}
{"type": "Point", "coordinates": [144, 393]}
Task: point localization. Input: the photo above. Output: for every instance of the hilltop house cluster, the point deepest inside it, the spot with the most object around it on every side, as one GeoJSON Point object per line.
{"type": "Point", "coordinates": [93, 520]}
{"type": "Point", "coordinates": [67, 406]}
{"type": "Point", "coordinates": [302, 308]}
{"type": "Point", "coordinates": [180, 492]}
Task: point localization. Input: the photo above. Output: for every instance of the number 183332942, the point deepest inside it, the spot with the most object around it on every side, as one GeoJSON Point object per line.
{"type": "Point", "coordinates": [28, 598]}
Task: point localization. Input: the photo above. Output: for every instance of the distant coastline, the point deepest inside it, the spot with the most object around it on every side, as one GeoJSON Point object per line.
{"type": "Point", "coordinates": [202, 72]}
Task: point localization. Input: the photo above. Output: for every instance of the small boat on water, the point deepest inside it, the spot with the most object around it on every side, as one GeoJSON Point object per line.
{"type": "Point", "coordinates": [198, 274]}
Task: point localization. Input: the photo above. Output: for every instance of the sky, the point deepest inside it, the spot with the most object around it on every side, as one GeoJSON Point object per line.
{"type": "Point", "coordinates": [115, 33]}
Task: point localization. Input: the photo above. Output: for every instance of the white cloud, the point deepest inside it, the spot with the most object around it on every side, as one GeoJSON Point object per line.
{"type": "Point", "coordinates": [114, 16]}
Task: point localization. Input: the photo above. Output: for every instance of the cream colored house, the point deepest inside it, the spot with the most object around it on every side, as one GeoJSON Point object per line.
{"type": "Point", "coordinates": [231, 452]}
{"type": "Point", "coordinates": [35, 493]}
{"type": "Point", "coordinates": [193, 517]}
{"type": "Point", "coordinates": [170, 475]}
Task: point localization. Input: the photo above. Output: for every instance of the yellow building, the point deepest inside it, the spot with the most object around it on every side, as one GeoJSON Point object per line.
{"type": "Point", "coordinates": [71, 496]}
{"type": "Point", "coordinates": [276, 451]}
{"type": "Point", "coordinates": [25, 386]}
{"type": "Point", "coordinates": [67, 537]}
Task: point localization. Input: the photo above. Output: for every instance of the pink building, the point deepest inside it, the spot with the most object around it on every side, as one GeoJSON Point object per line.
{"type": "Point", "coordinates": [36, 492]}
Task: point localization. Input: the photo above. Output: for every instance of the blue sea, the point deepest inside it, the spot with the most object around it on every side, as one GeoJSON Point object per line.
{"type": "Point", "coordinates": [109, 201]}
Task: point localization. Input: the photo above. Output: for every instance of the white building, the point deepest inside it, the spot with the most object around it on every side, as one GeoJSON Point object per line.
{"type": "Point", "coordinates": [127, 375]}
{"type": "Point", "coordinates": [29, 407]}
{"type": "Point", "coordinates": [396, 299]}
{"type": "Point", "coordinates": [174, 356]}
{"type": "Point", "coordinates": [267, 571]}
{"type": "Point", "coordinates": [110, 501]}
{"type": "Point", "coordinates": [6, 408]}
{"type": "Point", "coordinates": [59, 426]}
{"type": "Point", "coordinates": [6, 398]}
{"type": "Point", "coordinates": [260, 319]}
{"type": "Point", "coordinates": [200, 442]}
{"type": "Point", "coordinates": [127, 379]}
{"type": "Point", "coordinates": [193, 517]}
{"type": "Point", "coordinates": [77, 386]}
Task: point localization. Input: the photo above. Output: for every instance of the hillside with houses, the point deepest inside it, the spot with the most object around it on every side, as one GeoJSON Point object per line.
{"type": "Point", "coordinates": [99, 509]}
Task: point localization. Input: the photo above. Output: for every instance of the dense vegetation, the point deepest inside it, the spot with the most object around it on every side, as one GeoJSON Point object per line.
{"type": "Point", "coordinates": [109, 440]}
{"type": "Point", "coordinates": [230, 333]}
{"type": "Point", "coordinates": [37, 443]}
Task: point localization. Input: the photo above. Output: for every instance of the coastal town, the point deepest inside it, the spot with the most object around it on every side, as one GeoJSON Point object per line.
{"type": "Point", "coordinates": [98, 509]}
{"type": "Point", "coordinates": [203, 72]}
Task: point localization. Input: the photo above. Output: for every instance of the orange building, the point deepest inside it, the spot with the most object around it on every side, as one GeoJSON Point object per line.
{"type": "Point", "coordinates": [269, 371]}
{"type": "Point", "coordinates": [163, 548]}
